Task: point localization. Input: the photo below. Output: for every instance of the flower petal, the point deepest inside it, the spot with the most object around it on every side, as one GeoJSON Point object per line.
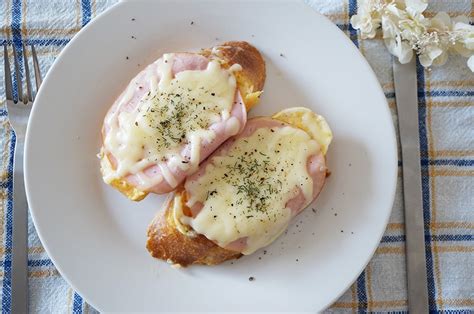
{"type": "Point", "coordinates": [461, 19]}
{"type": "Point", "coordinates": [462, 50]}
{"type": "Point", "coordinates": [441, 21]}
{"type": "Point", "coordinates": [416, 5]}
{"type": "Point", "coordinates": [463, 26]}
{"type": "Point", "coordinates": [441, 59]}
{"type": "Point", "coordinates": [355, 21]}
{"type": "Point", "coordinates": [432, 52]}
{"type": "Point", "coordinates": [425, 60]}
{"type": "Point", "coordinates": [406, 53]}
{"type": "Point", "coordinates": [389, 28]}
{"type": "Point", "coordinates": [470, 63]}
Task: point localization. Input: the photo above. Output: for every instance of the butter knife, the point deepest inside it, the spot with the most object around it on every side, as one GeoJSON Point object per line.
{"type": "Point", "coordinates": [406, 95]}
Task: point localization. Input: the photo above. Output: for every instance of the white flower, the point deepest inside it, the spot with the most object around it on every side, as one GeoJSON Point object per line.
{"type": "Point", "coordinates": [401, 30]}
{"type": "Point", "coordinates": [405, 30]}
{"type": "Point", "coordinates": [399, 48]}
{"type": "Point", "coordinates": [465, 45]}
{"type": "Point", "coordinates": [393, 40]}
{"type": "Point", "coordinates": [367, 20]}
{"type": "Point", "coordinates": [412, 28]}
{"type": "Point", "coordinates": [456, 35]}
{"type": "Point", "coordinates": [366, 25]}
{"type": "Point", "coordinates": [466, 33]}
{"type": "Point", "coordinates": [426, 38]}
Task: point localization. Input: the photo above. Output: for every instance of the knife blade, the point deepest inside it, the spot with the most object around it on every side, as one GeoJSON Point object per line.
{"type": "Point", "coordinates": [406, 95]}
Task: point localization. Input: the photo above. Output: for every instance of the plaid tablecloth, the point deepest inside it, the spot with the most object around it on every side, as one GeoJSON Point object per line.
{"type": "Point", "coordinates": [446, 130]}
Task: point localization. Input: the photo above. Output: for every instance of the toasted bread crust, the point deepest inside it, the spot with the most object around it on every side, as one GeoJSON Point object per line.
{"type": "Point", "coordinates": [250, 82]}
{"type": "Point", "coordinates": [166, 242]}
{"type": "Point", "coordinates": [252, 77]}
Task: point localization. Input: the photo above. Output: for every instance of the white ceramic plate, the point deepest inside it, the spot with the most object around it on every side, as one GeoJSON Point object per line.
{"type": "Point", "coordinates": [96, 237]}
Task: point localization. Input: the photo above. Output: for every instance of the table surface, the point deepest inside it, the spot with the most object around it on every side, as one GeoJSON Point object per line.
{"type": "Point", "coordinates": [446, 120]}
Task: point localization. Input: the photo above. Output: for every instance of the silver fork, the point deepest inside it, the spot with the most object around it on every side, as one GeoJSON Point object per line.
{"type": "Point", "coordinates": [18, 113]}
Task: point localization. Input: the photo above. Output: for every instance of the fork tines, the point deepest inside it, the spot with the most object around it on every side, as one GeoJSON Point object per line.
{"type": "Point", "coordinates": [22, 96]}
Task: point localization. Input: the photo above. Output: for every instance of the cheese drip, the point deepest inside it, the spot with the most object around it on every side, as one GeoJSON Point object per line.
{"type": "Point", "coordinates": [244, 192]}
{"type": "Point", "coordinates": [178, 111]}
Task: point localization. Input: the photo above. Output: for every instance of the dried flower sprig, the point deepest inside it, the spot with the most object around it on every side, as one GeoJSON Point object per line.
{"type": "Point", "coordinates": [406, 30]}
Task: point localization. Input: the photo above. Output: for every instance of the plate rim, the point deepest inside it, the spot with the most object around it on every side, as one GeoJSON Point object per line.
{"type": "Point", "coordinates": [393, 139]}
{"type": "Point", "coordinates": [26, 159]}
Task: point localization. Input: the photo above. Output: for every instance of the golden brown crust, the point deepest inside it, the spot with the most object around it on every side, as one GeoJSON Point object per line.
{"type": "Point", "coordinates": [250, 82]}
{"type": "Point", "coordinates": [252, 77]}
{"type": "Point", "coordinates": [166, 242]}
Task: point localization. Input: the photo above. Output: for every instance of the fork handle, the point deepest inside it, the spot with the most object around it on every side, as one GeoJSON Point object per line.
{"type": "Point", "coordinates": [20, 235]}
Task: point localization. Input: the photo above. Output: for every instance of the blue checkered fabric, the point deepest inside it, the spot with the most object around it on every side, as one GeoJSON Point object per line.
{"type": "Point", "coordinates": [446, 131]}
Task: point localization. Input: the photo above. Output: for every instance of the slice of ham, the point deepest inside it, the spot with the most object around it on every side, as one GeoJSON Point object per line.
{"type": "Point", "coordinates": [316, 167]}
{"type": "Point", "coordinates": [238, 245]}
{"type": "Point", "coordinates": [140, 86]}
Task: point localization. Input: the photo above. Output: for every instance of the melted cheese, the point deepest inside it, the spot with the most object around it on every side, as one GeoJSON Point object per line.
{"type": "Point", "coordinates": [177, 111]}
{"type": "Point", "coordinates": [314, 124]}
{"type": "Point", "coordinates": [178, 214]}
{"type": "Point", "coordinates": [244, 192]}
